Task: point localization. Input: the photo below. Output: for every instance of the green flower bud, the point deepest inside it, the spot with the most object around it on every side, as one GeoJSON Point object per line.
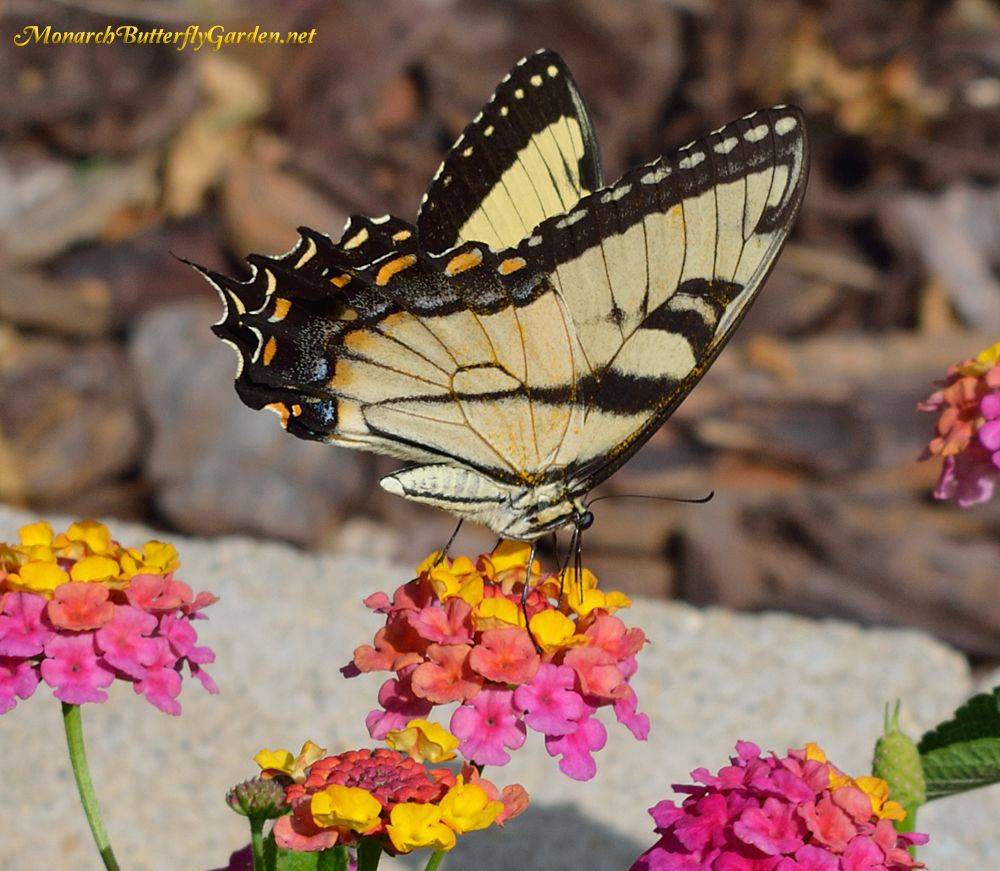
{"type": "Point", "coordinates": [263, 799]}
{"type": "Point", "coordinates": [897, 761]}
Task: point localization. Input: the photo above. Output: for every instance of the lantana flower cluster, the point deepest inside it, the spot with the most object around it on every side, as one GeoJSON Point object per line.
{"type": "Point", "coordinates": [457, 633]}
{"type": "Point", "coordinates": [968, 429]}
{"type": "Point", "coordinates": [79, 611]}
{"type": "Point", "coordinates": [769, 813]}
{"type": "Point", "coordinates": [383, 794]}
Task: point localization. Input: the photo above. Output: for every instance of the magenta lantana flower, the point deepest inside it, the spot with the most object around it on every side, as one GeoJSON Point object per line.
{"type": "Point", "coordinates": [73, 669]}
{"type": "Point", "coordinates": [550, 703]}
{"type": "Point", "coordinates": [576, 748]}
{"type": "Point", "coordinates": [458, 633]}
{"type": "Point", "coordinates": [486, 726]}
{"type": "Point", "coordinates": [82, 611]}
{"type": "Point", "coordinates": [24, 630]}
{"type": "Point", "coordinates": [771, 813]}
{"type": "Point", "coordinates": [968, 430]}
{"type": "Point", "coordinates": [18, 680]}
{"type": "Point", "coordinates": [126, 642]}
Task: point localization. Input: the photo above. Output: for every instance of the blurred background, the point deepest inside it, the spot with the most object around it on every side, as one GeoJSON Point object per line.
{"type": "Point", "coordinates": [116, 401]}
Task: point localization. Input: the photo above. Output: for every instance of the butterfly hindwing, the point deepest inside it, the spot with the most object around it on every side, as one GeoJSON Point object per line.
{"type": "Point", "coordinates": [530, 154]}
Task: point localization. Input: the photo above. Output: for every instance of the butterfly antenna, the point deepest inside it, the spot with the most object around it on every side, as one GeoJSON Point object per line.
{"type": "Point", "coordinates": [699, 500]}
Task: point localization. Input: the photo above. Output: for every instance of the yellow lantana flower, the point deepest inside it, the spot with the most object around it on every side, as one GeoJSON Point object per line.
{"type": "Point", "coordinates": [984, 361]}
{"type": "Point", "coordinates": [155, 558]}
{"type": "Point", "coordinates": [36, 534]}
{"type": "Point", "coordinates": [467, 808]}
{"type": "Point", "coordinates": [877, 791]}
{"type": "Point", "coordinates": [423, 741]}
{"type": "Point", "coordinates": [95, 568]}
{"type": "Point", "coordinates": [513, 555]}
{"type": "Point", "coordinates": [274, 762]}
{"type": "Point", "coordinates": [95, 535]}
{"type": "Point", "coordinates": [348, 807]}
{"type": "Point", "coordinates": [413, 825]}
{"type": "Point", "coordinates": [816, 753]}
{"type": "Point", "coordinates": [498, 612]}
{"type": "Point", "coordinates": [581, 595]}
{"type": "Point", "coordinates": [458, 578]}
{"type": "Point", "coordinates": [38, 577]}
{"type": "Point", "coordinates": [553, 630]}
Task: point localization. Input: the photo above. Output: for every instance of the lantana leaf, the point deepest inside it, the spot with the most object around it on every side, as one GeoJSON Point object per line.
{"type": "Point", "coordinates": [964, 753]}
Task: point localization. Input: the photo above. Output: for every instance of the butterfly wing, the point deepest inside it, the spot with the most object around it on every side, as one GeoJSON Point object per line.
{"type": "Point", "coordinates": [426, 359]}
{"type": "Point", "coordinates": [529, 154]}
{"type": "Point", "coordinates": [659, 269]}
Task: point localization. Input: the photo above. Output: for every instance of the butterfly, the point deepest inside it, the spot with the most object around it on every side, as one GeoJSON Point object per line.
{"type": "Point", "coordinates": [536, 326]}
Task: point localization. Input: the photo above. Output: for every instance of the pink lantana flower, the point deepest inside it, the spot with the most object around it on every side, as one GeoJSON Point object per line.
{"type": "Point", "coordinates": [577, 748]}
{"type": "Point", "coordinates": [125, 640]}
{"type": "Point", "coordinates": [399, 706]}
{"type": "Point", "coordinates": [82, 611]}
{"type": "Point", "coordinates": [968, 429]}
{"type": "Point", "coordinates": [506, 656]}
{"type": "Point", "coordinates": [24, 630]}
{"type": "Point", "coordinates": [74, 670]}
{"type": "Point", "coordinates": [161, 682]}
{"type": "Point", "coordinates": [458, 632]}
{"type": "Point", "coordinates": [486, 726]}
{"type": "Point", "coordinates": [550, 702]}
{"type": "Point", "coordinates": [78, 606]}
{"type": "Point", "coordinates": [770, 813]}
{"type": "Point", "coordinates": [446, 676]}
{"type": "Point", "coordinates": [18, 680]}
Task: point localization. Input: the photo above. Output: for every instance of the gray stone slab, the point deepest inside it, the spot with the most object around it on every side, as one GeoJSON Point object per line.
{"type": "Point", "coordinates": [288, 620]}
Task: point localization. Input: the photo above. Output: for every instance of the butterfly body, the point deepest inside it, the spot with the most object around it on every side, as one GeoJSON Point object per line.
{"type": "Point", "coordinates": [535, 327]}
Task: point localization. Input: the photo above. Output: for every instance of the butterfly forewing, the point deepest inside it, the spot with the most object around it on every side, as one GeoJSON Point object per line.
{"type": "Point", "coordinates": [530, 154]}
{"type": "Point", "coordinates": [658, 270]}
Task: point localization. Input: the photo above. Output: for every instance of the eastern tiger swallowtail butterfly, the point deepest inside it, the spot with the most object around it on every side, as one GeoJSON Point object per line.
{"type": "Point", "coordinates": [536, 326]}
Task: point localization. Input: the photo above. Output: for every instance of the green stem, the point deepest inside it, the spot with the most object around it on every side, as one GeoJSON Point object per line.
{"type": "Point", "coordinates": [257, 843]}
{"type": "Point", "coordinates": [334, 859]}
{"type": "Point", "coordinates": [435, 861]}
{"type": "Point", "coordinates": [73, 725]}
{"type": "Point", "coordinates": [369, 853]}
{"type": "Point", "coordinates": [270, 852]}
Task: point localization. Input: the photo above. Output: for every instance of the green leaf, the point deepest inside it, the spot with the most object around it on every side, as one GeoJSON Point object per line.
{"type": "Point", "coordinates": [290, 861]}
{"type": "Point", "coordinates": [964, 753]}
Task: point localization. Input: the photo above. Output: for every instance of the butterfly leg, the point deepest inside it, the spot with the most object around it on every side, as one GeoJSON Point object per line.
{"type": "Point", "coordinates": [451, 540]}
{"type": "Point", "coordinates": [526, 589]}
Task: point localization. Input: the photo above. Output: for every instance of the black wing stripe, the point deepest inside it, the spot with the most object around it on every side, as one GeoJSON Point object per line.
{"type": "Point", "coordinates": [509, 169]}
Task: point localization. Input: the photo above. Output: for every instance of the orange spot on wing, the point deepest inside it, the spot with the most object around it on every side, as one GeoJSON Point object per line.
{"type": "Point", "coordinates": [296, 410]}
{"type": "Point", "coordinates": [270, 349]}
{"type": "Point", "coordinates": [340, 280]}
{"type": "Point", "coordinates": [512, 264]}
{"type": "Point", "coordinates": [281, 307]}
{"type": "Point", "coordinates": [401, 236]}
{"type": "Point", "coordinates": [281, 411]}
{"type": "Point", "coordinates": [394, 266]}
{"type": "Point", "coordinates": [466, 260]}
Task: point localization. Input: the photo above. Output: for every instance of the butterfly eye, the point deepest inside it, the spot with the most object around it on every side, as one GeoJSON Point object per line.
{"type": "Point", "coordinates": [585, 520]}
